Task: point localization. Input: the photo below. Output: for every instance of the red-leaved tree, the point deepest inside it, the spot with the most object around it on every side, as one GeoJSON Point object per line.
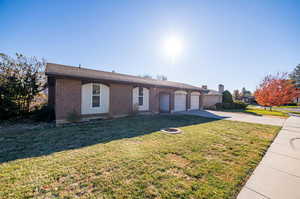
{"type": "Point", "coordinates": [275, 90]}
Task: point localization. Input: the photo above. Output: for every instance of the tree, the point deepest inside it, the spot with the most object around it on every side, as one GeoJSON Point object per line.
{"type": "Point", "coordinates": [146, 76]}
{"type": "Point", "coordinates": [245, 93]}
{"type": "Point", "coordinates": [295, 76]}
{"type": "Point", "coordinates": [161, 77]}
{"type": "Point", "coordinates": [158, 77]}
{"type": "Point", "coordinates": [21, 79]}
{"type": "Point", "coordinates": [275, 90]}
{"type": "Point", "coordinates": [227, 97]}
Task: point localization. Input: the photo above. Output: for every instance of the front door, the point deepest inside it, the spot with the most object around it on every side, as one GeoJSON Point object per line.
{"type": "Point", "coordinates": [164, 102]}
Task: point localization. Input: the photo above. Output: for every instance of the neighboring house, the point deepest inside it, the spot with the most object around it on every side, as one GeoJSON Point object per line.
{"type": "Point", "coordinates": [99, 94]}
{"type": "Point", "coordinates": [248, 99]}
{"type": "Point", "coordinates": [297, 99]}
{"type": "Point", "coordinates": [211, 97]}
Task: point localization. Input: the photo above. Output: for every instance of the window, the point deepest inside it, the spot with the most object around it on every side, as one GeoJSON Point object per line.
{"type": "Point", "coordinates": [96, 95]}
{"type": "Point", "coordinates": [141, 96]}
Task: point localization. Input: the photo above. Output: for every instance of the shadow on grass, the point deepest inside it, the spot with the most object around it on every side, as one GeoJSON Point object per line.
{"type": "Point", "coordinates": [21, 143]}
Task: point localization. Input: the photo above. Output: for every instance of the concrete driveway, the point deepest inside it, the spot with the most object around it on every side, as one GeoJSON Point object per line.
{"type": "Point", "coordinates": [243, 117]}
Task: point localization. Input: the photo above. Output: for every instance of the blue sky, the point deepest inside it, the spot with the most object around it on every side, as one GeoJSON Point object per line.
{"type": "Point", "coordinates": [235, 43]}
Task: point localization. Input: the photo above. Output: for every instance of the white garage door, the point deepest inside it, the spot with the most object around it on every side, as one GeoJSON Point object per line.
{"type": "Point", "coordinates": [180, 101]}
{"type": "Point", "coordinates": [195, 101]}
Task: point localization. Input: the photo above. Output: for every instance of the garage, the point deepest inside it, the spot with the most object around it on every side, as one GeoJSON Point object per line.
{"type": "Point", "coordinates": [180, 101]}
{"type": "Point", "coordinates": [195, 96]}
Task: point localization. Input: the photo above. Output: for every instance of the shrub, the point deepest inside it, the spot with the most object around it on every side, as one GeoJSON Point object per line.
{"type": "Point", "coordinates": [227, 97]}
{"type": "Point", "coordinates": [227, 105]}
{"type": "Point", "coordinates": [240, 105]}
{"type": "Point", "coordinates": [73, 116]}
{"type": "Point", "coordinates": [44, 113]}
{"type": "Point", "coordinates": [233, 105]}
{"type": "Point", "coordinates": [291, 104]}
{"type": "Point", "coordinates": [219, 105]}
{"type": "Point", "coordinates": [135, 109]}
{"type": "Point", "coordinates": [21, 80]}
{"type": "Point", "coordinates": [8, 109]}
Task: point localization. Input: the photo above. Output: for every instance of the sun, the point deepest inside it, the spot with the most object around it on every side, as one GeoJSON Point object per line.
{"type": "Point", "coordinates": [173, 46]}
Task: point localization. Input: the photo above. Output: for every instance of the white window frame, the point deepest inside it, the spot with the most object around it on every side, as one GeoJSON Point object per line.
{"type": "Point", "coordinates": [97, 95]}
{"type": "Point", "coordinates": [141, 96]}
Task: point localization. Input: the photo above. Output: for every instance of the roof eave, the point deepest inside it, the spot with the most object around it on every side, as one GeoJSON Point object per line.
{"type": "Point", "coordinates": [51, 74]}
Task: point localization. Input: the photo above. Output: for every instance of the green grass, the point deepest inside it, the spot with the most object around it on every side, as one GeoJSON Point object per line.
{"type": "Point", "coordinates": [287, 107]}
{"type": "Point", "coordinates": [130, 158]}
{"type": "Point", "coordinates": [260, 112]}
{"type": "Point", "coordinates": [267, 112]}
{"type": "Point", "coordinates": [273, 112]}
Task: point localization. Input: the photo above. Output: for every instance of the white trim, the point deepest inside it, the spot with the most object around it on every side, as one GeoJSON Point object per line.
{"type": "Point", "coordinates": [135, 98]}
{"type": "Point", "coordinates": [87, 101]}
{"type": "Point", "coordinates": [180, 92]}
{"type": "Point", "coordinates": [195, 93]}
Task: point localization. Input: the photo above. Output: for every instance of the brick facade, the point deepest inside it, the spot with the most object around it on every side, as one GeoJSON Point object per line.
{"type": "Point", "coordinates": [65, 95]}
{"type": "Point", "coordinates": [154, 98]}
{"type": "Point", "coordinates": [120, 99]}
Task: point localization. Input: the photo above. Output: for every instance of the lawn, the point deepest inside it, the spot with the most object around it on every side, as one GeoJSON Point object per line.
{"type": "Point", "coordinates": [266, 112]}
{"type": "Point", "coordinates": [274, 112]}
{"type": "Point", "coordinates": [287, 107]}
{"type": "Point", "coordinates": [260, 111]}
{"type": "Point", "coordinates": [131, 158]}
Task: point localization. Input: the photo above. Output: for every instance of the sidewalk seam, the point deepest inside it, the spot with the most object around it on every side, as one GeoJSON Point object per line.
{"type": "Point", "coordinates": [279, 170]}
{"type": "Point", "coordinates": [257, 192]}
{"type": "Point", "coordinates": [284, 155]}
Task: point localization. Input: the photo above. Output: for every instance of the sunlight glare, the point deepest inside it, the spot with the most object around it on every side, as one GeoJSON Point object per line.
{"type": "Point", "coordinates": [173, 46]}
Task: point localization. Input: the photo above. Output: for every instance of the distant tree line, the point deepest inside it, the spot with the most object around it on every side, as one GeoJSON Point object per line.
{"type": "Point", "coordinates": [239, 95]}
{"type": "Point", "coordinates": [158, 77]}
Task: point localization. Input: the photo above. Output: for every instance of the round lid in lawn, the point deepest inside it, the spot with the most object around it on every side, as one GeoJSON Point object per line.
{"type": "Point", "coordinates": [171, 130]}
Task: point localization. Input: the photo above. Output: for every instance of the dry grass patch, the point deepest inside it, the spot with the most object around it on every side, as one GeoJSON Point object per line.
{"type": "Point", "coordinates": [178, 160]}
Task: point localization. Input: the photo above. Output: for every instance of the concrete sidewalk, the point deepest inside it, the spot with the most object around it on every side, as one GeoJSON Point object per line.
{"type": "Point", "coordinates": [278, 174]}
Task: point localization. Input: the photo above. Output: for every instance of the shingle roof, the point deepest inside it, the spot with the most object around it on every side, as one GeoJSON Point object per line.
{"type": "Point", "coordinates": [211, 92]}
{"type": "Point", "coordinates": [79, 72]}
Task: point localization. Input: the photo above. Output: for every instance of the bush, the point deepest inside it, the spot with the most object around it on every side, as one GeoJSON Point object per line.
{"type": "Point", "coordinates": [227, 105]}
{"type": "Point", "coordinates": [227, 97]}
{"type": "Point", "coordinates": [73, 116]}
{"type": "Point", "coordinates": [8, 109]}
{"type": "Point", "coordinates": [240, 105]}
{"type": "Point", "coordinates": [135, 109]}
{"type": "Point", "coordinates": [21, 80]}
{"type": "Point", "coordinates": [233, 105]}
{"type": "Point", "coordinates": [219, 106]}
{"type": "Point", "coordinates": [291, 104]}
{"type": "Point", "coordinates": [43, 114]}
